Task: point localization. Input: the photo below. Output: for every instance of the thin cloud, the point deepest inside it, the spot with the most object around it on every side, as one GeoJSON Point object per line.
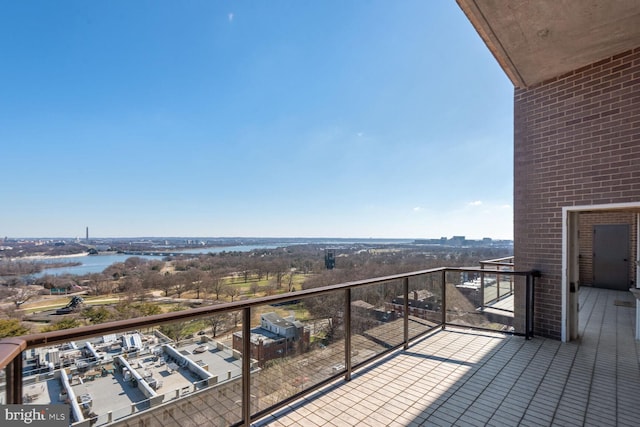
{"type": "Point", "coordinates": [417, 209]}
{"type": "Point", "coordinates": [475, 203]}
{"type": "Point", "coordinates": [230, 16]}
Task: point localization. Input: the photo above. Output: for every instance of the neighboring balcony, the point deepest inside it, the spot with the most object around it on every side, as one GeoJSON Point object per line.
{"type": "Point", "coordinates": [128, 373]}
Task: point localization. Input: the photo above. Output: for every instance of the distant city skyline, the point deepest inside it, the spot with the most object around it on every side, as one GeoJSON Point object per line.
{"type": "Point", "coordinates": [207, 239]}
{"type": "Point", "coordinates": [327, 119]}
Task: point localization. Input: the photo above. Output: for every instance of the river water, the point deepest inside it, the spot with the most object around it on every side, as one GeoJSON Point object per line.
{"type": "Point", "coordinates": [98, 263]}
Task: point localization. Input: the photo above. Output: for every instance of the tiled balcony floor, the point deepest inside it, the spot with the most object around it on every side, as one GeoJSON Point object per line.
{"type": "Point", "coordinates": [470, 378]}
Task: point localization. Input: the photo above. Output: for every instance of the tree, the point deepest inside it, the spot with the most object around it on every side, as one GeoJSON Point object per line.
{"type": "Point", "coordinates": [22, 294]}
{"type": "Point", "coordinates": [260, 270]}
{"type": "Point", "coordinates": [66, 323]}
{"type": "Point", "coordinates": [12, 328]}
{"type": "Point", "coordinates": [97, 315]}
{"type": "Point", "coordinates": [194, 280]}
{"type": "Point", "coordinates": [232, 292]}
{"type": "Point", "coordinates": [115, 270]}
{"type": "Point", "coordinates": [132, 287]}
{"type": "Point", "coordinates": [98, 284]}
{"type": "Point", "coordinates": [216, 285]}
{"type": "Point", "coordinates": [151, 279]}
{"type": "Point", "coordinates": [166, 283]}
{"type": "Point", "coordinates": [327, 308]}
{"type": "Point", "coordinates": [254, 288]}
{"type": "Point", "coordinates": [217, 321]}
{"type": "Point", "coordinates": [280, 269]}
{"type": "Point", "coordinates": [245, 274]}
{"type": "Point", "coordinates": [155, 265]}
{"type": "Point", "coordinates": [149, 309]}
{"type": "Point", "coordinates": [125, 310]}
{"type": "Point", "coordinates": [236, 316]}
{"type": "Point", "coordinates": [175, 330]}
{"type": "Point", "coordinates": [271, 288]}
{"type": "Point", "coordinates": [181, 285]}
{"type": "Point", "coordinates": [134, 263]}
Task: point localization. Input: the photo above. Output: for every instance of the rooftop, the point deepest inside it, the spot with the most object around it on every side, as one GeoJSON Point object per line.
{"type": "Point", "coordinates": [106, 388]}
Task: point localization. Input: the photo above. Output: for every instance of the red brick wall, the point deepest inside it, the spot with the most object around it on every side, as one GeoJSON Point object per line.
{"type": "Point", "coordinates": [577, 142]}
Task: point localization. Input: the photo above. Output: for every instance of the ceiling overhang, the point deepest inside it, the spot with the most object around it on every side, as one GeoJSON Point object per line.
{"type": "Point", "coordinates": [536, 40]}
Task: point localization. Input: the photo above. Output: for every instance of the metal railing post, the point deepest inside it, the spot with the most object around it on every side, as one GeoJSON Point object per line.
{"type": "Point", "coordinates": [13, 379]}
{"type": "Point", "coordinates": [405, 284]}
{"type": "Point", "coordinates": [444, 298]}
{"type": "Point", "coordinates": [246, 366]}
{"type": "Point", "coordinates": [347, 333]}
{"type": "Point", "coordinates": [482, 289]}
{"type": "Point", "coordinates": [534, 274]}
{"type": "Point", "coordinates": [527, 308]}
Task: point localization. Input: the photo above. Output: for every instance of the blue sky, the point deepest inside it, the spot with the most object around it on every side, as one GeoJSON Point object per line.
{"type": "Point", "coordinates": [251, 118]}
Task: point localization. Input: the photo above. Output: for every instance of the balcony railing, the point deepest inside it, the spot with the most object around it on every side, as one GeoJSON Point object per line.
{"type": "Point", "coordinates": [338, 328]}
{"type": "Point", "coordinates": [498, 287]}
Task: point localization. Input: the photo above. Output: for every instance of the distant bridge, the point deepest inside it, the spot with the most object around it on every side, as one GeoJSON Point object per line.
{"type": "Point", "coordinates": [151, 253]}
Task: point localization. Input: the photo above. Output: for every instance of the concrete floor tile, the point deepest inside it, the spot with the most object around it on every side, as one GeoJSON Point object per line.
{"type": "Point", "coordinates": [537, 382]}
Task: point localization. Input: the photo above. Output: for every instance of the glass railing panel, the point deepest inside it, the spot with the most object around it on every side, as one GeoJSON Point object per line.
{"type": "Point", "coordinates": [425, 303]}
{"type": "Point", "coordinates": [463, 299]}
{"type": "Point", "coordinates": [298, 353]}
{"type": "Point", "coordinates": [470, 296]}
{"type": "Point", "coordinates": [505, 285]}
{"type": "Point", "coordinates": [375, 327]}
{"type": "Point", "coordinates": [218, 405]}
{"type": "Point", "coordinates": [492, 286]}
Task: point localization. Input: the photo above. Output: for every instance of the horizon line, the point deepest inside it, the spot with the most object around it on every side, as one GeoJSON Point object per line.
{"type": "Point", "coordinates": [250, 237]}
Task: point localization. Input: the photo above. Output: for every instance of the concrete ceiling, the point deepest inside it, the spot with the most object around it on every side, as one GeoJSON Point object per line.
{"type": "Point", "coordinates": [536, 40]}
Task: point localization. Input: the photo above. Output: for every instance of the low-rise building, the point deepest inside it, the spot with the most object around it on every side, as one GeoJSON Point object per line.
{"type": "Point", "coordinates": [422, 304]}
{"type": "Point", "coordinates": [275, 337]}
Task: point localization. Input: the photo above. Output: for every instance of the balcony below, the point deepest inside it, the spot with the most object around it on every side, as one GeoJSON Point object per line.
{"type": "Point", "coordinates": [471, 378]}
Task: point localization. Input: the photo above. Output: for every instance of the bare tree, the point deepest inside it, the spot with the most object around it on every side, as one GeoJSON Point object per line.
{"type": "Point", "coordinates": [254, 288]}
{"type": "Point", "coordinates": [216, 285]}
{"type": "Point", "coordinates": [181, 285]}
{"type": "Point", "coordinates": [22, 294]}
{"type": "Point", "coordinates": [217, 321]}
{"type": "Point", "coordinates": [280, 271]}
{"type": "Point", "coordinates": [245, 274]}
{"type": "Point", "coordinates": [232, 292]}
{"type": "Point", "coordinates": [166, 283]}
{"type": "Point", "coordinates": [98, 284]}
{"type": "Point", "coordinates": [194, 279]}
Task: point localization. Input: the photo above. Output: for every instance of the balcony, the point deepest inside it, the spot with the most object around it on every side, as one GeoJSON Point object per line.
{"type": "Point", "coordinates": [420, 341]}
{"type": "Point", "coordinates": [470, 378]}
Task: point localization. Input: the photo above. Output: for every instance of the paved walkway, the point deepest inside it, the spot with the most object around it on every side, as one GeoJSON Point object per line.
{"type": "Point", "coordinates": [469, 378]}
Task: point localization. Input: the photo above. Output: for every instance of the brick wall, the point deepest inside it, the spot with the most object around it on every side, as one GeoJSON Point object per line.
{"type": "Point", "coordinates": [587, 221]}
{"type": "Point", "coordinates": [577, 142]}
